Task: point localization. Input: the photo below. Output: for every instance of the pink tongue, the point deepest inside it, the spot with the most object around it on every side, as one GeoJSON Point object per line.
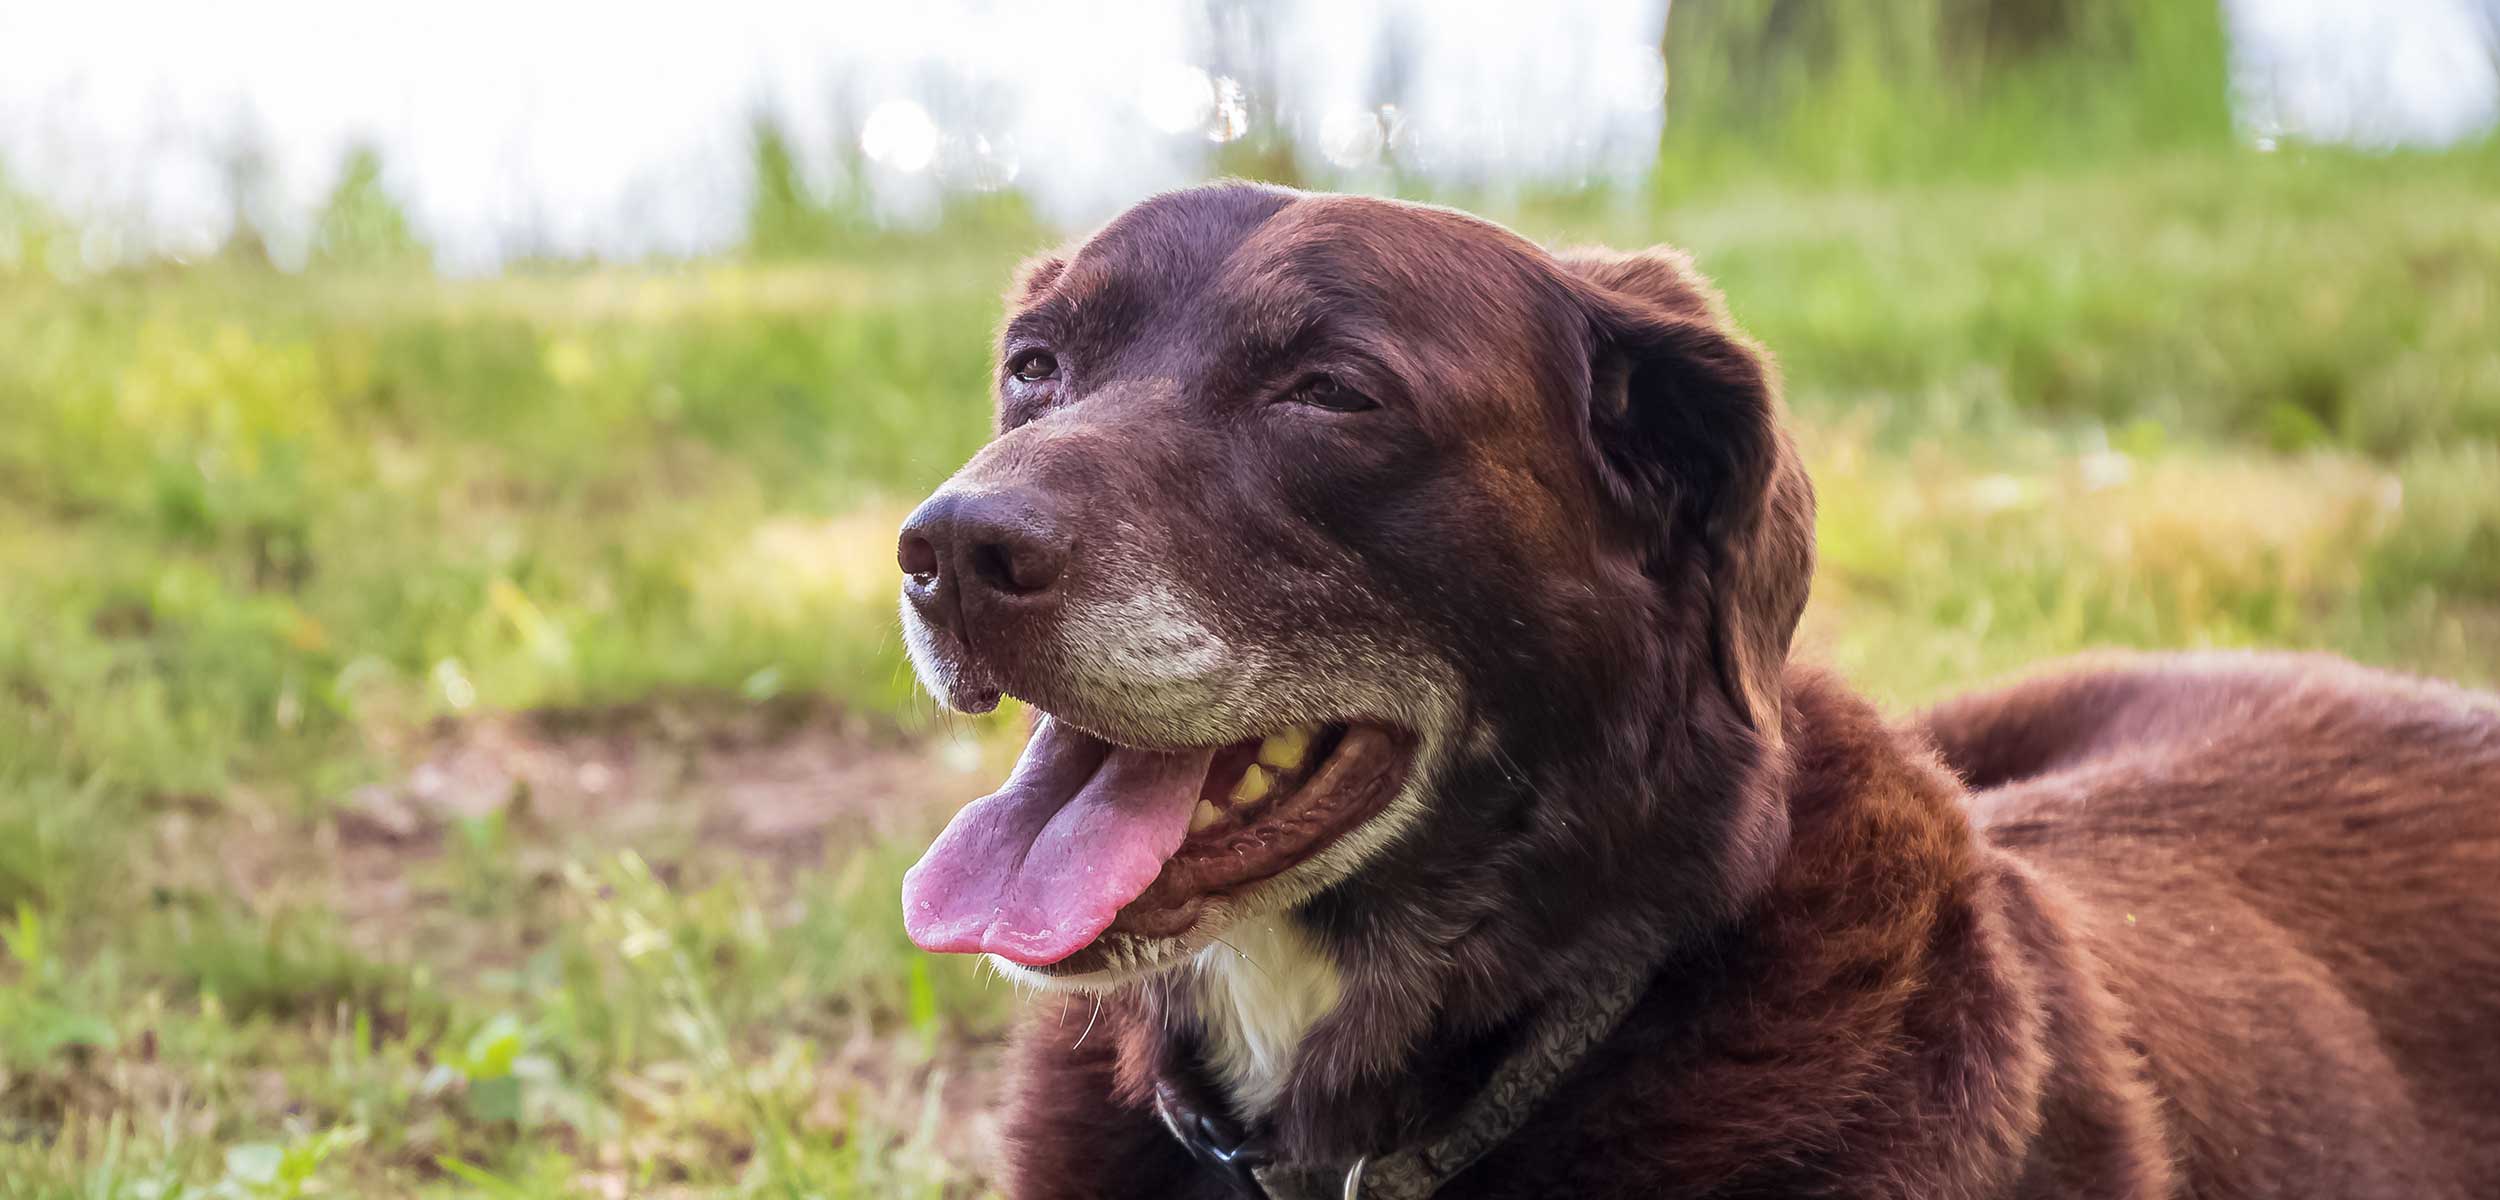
{"type": "Point", "coordinates": [1035, 871]}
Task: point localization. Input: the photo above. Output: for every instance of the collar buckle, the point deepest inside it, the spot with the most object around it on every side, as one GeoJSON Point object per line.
{"type": "Point", "coordinates": [1218, 1144]}
{"type": "Point", "coordinates": [1223, 1148]}
{"type": "Point", "coordinates": [1354, 1178]}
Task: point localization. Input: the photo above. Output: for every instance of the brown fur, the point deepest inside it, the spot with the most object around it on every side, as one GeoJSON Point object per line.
{"type": "Point", "coordinates": [2210, 927]}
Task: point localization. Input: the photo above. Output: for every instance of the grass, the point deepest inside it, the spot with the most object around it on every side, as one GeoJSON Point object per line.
{"type": "Point", "coordinates": [453, 739]}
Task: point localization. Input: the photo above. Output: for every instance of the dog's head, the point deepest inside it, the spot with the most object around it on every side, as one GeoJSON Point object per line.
{"type": "Point", "coordinates": [1311, 520]}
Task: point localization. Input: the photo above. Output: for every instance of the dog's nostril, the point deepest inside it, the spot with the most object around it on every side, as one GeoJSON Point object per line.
{"type": "Point", "coordinates": [1011, 569]}
{"type": "Point", "coordinates": [918, 557]}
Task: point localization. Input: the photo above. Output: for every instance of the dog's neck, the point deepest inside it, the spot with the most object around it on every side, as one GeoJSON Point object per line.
{"type": "Point", "coordinates": [1330, 1009]}
{"type": "Point", "coordinates": [1257, 993]}
{"type": "Point", "coordinates": [1883, 913]}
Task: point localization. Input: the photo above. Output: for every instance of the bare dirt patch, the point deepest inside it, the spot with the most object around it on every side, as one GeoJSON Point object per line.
{"type": "Point", "coordinates": [774, 781]}
{"type": "Point", "coordinates": [458, 862]}
{"type": "Point", "coordinates": [773, 789]}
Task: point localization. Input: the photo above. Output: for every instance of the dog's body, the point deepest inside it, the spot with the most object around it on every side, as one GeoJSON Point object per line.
{"type": "Point", "coordinates": [2215, 926]}
{"type": "Point", "coordinates": [2207, 927]}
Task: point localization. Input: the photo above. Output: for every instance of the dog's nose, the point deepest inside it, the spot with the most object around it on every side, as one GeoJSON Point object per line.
{"type": "Point", "coordinates": [969, 550]}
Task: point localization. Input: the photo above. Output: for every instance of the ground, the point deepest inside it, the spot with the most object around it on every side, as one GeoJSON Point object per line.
{"type": "Point", "coordinates": [454, 738]}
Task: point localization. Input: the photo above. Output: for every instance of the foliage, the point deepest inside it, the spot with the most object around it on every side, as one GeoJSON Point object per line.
{"type": "Point", "coordinates": [1921, 89]}
{"type": "Point", "coordinates": [785, 218]}
{"type": "Point", "coordinates": [360, 224]}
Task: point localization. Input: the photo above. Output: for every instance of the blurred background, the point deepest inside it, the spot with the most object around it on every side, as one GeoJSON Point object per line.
{"type": "Point", "coordinates": [454, 739]}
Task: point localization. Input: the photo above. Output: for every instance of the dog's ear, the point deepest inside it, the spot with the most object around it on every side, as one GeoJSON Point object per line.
{"type": "Point", "coordinates": [1684, 427]}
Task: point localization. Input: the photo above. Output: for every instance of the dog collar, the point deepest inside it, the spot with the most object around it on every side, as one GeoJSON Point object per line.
{"type": "Point", "coordinates": [1571, 1025]}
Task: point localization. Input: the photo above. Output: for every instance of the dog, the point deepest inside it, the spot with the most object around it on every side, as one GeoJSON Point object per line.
{"type": "Point", "coordinates": [1423, 801]}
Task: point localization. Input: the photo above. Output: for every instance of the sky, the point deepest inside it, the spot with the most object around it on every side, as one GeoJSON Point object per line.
{"type": "Point", "coordinates": [617, 127]}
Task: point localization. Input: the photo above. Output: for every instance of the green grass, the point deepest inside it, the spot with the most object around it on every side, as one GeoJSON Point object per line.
{"type": "Point", "coordinates": [273, 547]}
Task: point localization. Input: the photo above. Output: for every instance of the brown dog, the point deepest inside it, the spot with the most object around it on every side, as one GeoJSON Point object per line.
{"type": "Point", "coordinates": [1425, 800]}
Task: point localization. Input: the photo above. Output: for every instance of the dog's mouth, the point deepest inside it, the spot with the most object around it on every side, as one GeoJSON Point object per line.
{"type": "Point", "coordinates": [1088, 837]}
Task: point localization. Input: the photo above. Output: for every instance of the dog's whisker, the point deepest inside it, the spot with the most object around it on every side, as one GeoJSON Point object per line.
{"type": "Point", "coordinates": [1089, 1021]}
{"type": "Point", "coordinates": [1238, 953]}
{"type": "Point", "coordinates": [1518, 774]}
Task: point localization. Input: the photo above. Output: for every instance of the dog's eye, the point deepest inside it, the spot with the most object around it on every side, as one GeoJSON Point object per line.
{"type": "Point", "coordinates": [1330, 393]}
{"type": "Point", "coordinates": [1034, 366]}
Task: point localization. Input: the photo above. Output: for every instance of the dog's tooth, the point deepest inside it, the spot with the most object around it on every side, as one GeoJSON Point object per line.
{"type": "Point", "coordinates": [1252, 788]}
{"type": "Point", "coordinates": [1206, 815]}
{"type": "Point", "coordinates": [1284, 751]}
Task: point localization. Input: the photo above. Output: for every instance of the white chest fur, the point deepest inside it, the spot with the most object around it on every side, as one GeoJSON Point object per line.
{"type": "Point", "coordinates": [1259, 991]}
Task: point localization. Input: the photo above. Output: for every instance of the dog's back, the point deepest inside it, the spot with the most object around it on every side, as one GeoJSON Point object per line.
{"type": "Point", "coordinates": [2289, 869]}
